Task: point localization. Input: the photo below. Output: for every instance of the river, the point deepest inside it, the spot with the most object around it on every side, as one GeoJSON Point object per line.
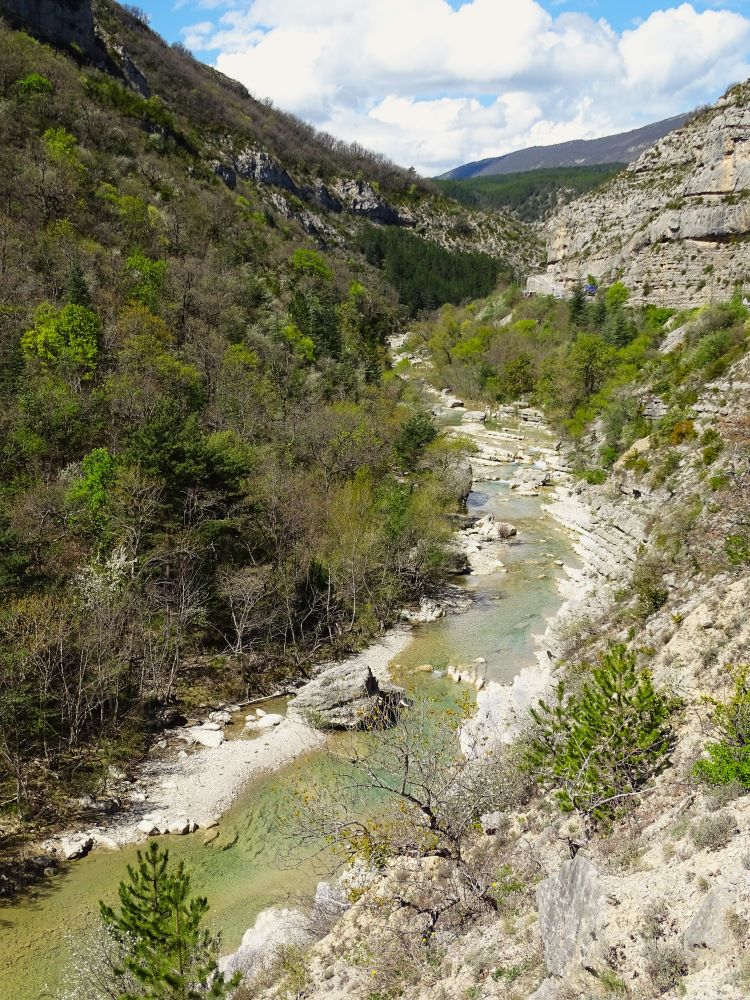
{"type": "Point", "coordinates": [40, 934]}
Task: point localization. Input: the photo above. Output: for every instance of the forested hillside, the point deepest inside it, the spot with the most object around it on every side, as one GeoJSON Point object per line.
{"type": "Point", "coordinates": [209, 476]}
{"type": "Point", "coordinates": [587, 361]}
{"type": "Point", "coordinates": [530, 195]}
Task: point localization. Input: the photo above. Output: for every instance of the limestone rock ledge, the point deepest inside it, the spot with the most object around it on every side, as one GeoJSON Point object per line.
{"type": "Point", "coordinates": [674, 226]}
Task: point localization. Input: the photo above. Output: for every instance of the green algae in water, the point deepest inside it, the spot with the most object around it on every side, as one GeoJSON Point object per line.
{"type": "Point", "coordinates": [254, 863]}
{"type": "Point", "coordinates": [256, 872]}
{"type": "Point", "coordinates": [508, 608]}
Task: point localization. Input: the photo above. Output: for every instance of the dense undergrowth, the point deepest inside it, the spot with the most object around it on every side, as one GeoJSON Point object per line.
{"type": "Point", "coordinates": [586, 361]}
{"type": "Point", "coordinates": [209, 475]}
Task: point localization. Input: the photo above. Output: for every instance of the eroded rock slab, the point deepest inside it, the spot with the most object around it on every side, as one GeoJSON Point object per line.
{"type": "Point", "coordinates": [346, 696]}
{"type": "Point", "coordinates": [571, 914]}
{"type": "Point", "coordinates": [709, 928]}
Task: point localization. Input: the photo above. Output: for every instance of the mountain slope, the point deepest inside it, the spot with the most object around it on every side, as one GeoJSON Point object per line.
{"type": "Point", "coordinates": [196, 395]}
{"type": "Point", "coordinates": [674, 226]}
{"type": "Point", "coordinates": [531, 196]}
{"type": "Point", "coordinates": [623, 147]}
{"type": "Point", "coordinates": [309, 177]}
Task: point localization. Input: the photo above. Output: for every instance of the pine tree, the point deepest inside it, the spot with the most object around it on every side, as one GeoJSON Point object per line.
{"type": "Point", "coordinates": [577, 305]}
{"type": "Point", "coordinates": [164, 954]}
{"type": "Point", "coordinates": [596, 749]}
{"type": "Point", "coordinates": [77, 290]}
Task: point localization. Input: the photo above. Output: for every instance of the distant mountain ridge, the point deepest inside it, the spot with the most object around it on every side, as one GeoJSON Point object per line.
{"type": "Point", "coordinates": [624, 147]}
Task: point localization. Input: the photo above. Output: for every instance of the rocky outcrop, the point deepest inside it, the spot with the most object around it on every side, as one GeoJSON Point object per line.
{"type": "Point", "coordinates": [310, 221]}
{"type": "Point", "coordinates": [528, 482]}
{"type": "Point", "coordinates": [459, 479]}
{"type": "Point", "coordinates": [571, 915]}
{"type": "Point", "coordinates": [346, 696]}
{"type": "Point", "coordinates": [481, 543]}
{"type": "Point", "coordinates": [493, 233]}
{"type": "Point", "coordinates": [273, 929]}
{"type": "Point", "coordinates": [428, 611]}
{"type": "Point", "coordinates": [608, 530]}
{"type": "Point", "coordinates": [256, 165]}
{"type": "Point", "coordinates": [708, 928]}
{"type": "Point", "coordinates": [359, 198]}
{"type": "Point", "coordinates": [225, 173]}
{"type": "Point", "coordinates": [320, 195]}
{"type": "Point", "coordinates": [76, 846]}
{"type": "Point", "coordinates": [675, 226]}
{"type": "Point", "coordinates": [66, 23]}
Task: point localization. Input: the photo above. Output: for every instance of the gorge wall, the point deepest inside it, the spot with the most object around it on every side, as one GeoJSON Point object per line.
{"type": "Point", "coordinates": [675, 225]}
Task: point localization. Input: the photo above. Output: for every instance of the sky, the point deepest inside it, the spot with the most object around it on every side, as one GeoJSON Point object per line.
{"type": "Point", "coordinates": [437, 83]}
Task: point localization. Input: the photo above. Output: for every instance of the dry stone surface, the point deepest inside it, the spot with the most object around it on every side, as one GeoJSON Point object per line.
{"type": "Point", "coordinates": [673, 226]}
{"type": "Point", "coordinates": [571, 906]}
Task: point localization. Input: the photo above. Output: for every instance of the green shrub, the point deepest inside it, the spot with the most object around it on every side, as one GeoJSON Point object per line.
{"type": "Point", "coordinates": [666, 964]}
{"type": "Point", "coordinates": [648, 587]}
{"type": "Point", "coordinates": [597, 748]}
{"type": "Point", "coordinates": [145, 278]}
{"type": "Point", "coordinates": [635, 462]}
{"type": "Point", "coordinates": [729, 758]}
{"type": "Point", "coordinates": [711, 452]}
{"type": "Point", "coordinates": [67, 338]}
{"type": "Point", "coordinates": [594, 477]}
{"type": "Point", "coordinates": [714, 832]}
{"type": "Point", "coordinates": [669, 464]}
{"type": "Point", "coordinates": [34, 85]}
{"type": "Point", "coordinates": [416, 433]}
{"type": "Point", "coordinates": [613, 984]}
{"type": "Point", "coordinates": [159, 945]}
{"type": "Point", "coordinates": [90, 491]}
{"type": "Point", "coordinates": [609, 454]}
{"type": "Point", "coordinates": [737, 549]}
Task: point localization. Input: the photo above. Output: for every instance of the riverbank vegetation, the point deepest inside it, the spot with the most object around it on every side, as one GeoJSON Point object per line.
{"type": "Point", "coordinates": [210, 477]}
{"type": "Point", "coordinates": [587, 362]}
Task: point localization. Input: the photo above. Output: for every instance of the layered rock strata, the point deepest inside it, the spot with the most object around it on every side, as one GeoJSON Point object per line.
{"type": "Point", "coordinates": [675, 225]}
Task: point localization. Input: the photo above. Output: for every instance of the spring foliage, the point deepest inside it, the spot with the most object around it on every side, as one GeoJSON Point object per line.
{"type": "Point", "coordinates": [65, 337]}
{"type": "Point", "coordinates": [728, 757]}
{"type": "Point", "coordinates": [194, 393]}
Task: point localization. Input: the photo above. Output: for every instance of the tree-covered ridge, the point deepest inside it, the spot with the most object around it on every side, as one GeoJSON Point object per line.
{"type": "Point", "coordinates": [531, 195]}
{"type": "Point", "coordinates": [425, 275]}
{"type": "Point", "coordinates": [209, 475]}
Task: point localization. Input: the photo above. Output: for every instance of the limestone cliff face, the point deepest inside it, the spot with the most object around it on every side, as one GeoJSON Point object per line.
{"type": "Point", "coordinates": [65, 23]}
{"type": "Point", "coordinates": [675, 225]}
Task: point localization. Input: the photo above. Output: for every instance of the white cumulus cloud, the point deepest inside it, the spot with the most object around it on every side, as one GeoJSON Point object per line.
{"type": "Point", "coordinates": [434, 85]}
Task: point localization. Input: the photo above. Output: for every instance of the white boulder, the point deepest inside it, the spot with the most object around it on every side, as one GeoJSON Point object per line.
{"type": "Point", "coordinates": [76, 846]}
{"type": "Point", "coordinates": [265, 722]}
{"type": "Point", "coordinates": [211, 738]}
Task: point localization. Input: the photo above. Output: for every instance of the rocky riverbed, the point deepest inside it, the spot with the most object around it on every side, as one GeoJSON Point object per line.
{"type": "Point", "coordinates": [180, 790]}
